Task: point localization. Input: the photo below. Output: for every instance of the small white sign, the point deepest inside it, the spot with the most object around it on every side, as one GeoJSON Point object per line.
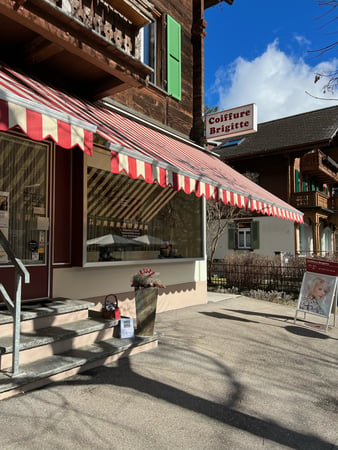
{"type": "Point", "coordinates": [231, 122]}
{"type": "Point", "coordinates": [126, 328]}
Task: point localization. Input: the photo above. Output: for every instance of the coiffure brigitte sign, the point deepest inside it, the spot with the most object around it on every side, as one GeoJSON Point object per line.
{"type": "Point", "coordinates": [232, 122]}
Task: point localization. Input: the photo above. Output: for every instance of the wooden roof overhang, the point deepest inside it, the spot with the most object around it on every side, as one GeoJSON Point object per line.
{"type": "Point", "coordinates": [45, 41]}
{"type": "Point", "coordinates": [210, 3]}
{"type": "Point", "coordinates": [296, 150]}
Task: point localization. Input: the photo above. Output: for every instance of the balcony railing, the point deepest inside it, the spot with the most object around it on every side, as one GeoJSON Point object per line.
{"type": "Point", "coordinates": [311, 199]}
{"type": "Point", "coordinates": [101, 39]}
{"type": "Point", "coordinates": [321, 166]}
{"type": "Point", "coordinates": [100, 17]}
{"type": "Point", "coordinates": [115, 21]}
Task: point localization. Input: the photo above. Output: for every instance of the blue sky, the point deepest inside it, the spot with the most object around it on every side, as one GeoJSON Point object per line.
{"type": "Point", "coordinates": [263, 52]}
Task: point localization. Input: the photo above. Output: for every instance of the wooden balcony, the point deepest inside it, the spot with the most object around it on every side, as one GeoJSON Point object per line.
{"type": "Point", "coordinates": [88, 47]}
{"type": "Point", "coordinates": [306, 200]}
{"type": "Point", "coordinates": [320, 166]}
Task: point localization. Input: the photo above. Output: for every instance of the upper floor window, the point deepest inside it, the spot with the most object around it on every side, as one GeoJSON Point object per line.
{"type": "Point", "coordinates": [166, 64]}
{"type": "Point", "coordinates": [149, 48]}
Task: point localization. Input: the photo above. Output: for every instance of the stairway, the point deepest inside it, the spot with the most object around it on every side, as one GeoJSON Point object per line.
{"type": "Point", "coordinates": [60, 338]}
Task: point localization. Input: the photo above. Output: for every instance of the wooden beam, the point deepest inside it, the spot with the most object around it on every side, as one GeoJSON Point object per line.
{"type": "Point", "coordinates": [40, 50]}
{"type": "Point", "coordinates": [115, 89]}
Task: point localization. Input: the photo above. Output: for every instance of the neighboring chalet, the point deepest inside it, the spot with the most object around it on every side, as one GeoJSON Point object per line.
{"type": "Point", "coordinates": [103, 168]}
{"type": "Point", "coordinates": [295, 158]}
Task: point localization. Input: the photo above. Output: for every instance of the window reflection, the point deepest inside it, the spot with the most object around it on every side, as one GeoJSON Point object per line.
{"type": "Point", "coordinates": [132, 220]}
{"type": "Point", "coordinates": [23, 189]}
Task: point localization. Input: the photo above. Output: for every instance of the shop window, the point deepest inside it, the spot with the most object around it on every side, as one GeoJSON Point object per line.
{"type": "Point", "coordinates": [243, 235]}
{"type": "Point", "coordinates": [23, 198]}
{"type": "Point", "coordinates": [130, 220]}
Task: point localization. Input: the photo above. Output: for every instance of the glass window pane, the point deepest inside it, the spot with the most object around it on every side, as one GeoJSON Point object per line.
{"type": "Point", "coordinates": [149, 34]}
{"type": "Point", "coordinates": [132, 220]}
{"type": "Point", "coordinates": [248, 239]}
{"type": "Point", "coordinates": [23, 185]}
{"type": "Point", "coordinates": [241, 239]}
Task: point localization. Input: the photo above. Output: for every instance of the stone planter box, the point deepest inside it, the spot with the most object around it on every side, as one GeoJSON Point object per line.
{"type": "Point", "coordinates": [146, 304]}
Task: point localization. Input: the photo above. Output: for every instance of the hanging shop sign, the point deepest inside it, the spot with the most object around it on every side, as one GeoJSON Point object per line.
{"type": "Point", "coordinates": [231, 122]}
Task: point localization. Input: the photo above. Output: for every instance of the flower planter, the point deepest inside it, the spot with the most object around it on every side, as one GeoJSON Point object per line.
{"type": "Point", "coordinates": [146, 303]}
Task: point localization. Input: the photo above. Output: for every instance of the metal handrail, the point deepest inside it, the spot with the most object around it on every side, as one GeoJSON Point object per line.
{"type": "Point", "coordinates": [14, 306]}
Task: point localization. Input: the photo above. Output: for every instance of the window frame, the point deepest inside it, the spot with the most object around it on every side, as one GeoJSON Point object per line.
{"type": "Point", "coordinates": [164, 47]}
{"type": "Point", "coordinates": [246, 232]}
{"type": "Point", "coordinates": [101, 160]}
{"type": "Point", "coordinates": [149, 48]}
{"type": "Point", "coordinates": [234, 229]}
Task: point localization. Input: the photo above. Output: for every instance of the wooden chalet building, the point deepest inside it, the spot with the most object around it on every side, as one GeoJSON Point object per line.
{"type": "Point", "coordinates": [103, 170]}
{"type": "Point", "coordinates": [296, 158]}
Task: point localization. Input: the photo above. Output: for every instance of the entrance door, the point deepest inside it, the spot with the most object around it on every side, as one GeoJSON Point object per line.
{"type": "Point", "coordinates": [24, 215]}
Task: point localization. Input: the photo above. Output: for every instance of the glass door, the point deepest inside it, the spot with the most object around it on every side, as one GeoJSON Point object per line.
{"type": "Point", "coordinates": [24, 216]}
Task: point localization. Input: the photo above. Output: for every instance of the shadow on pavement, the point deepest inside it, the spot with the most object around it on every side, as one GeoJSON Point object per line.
{"type": "Point", "coordinates": [123, 375]}
{"type": "Point", "coordinates": [302, 331]}
{"type": "Point", "coordinates": [218, 315]}
{"type": "Point", "coordinates": [255, 313]}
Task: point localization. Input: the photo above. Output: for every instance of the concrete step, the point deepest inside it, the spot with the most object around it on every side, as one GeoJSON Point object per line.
{"type": "Point", "coordinates": [58, 367]}
{"type": "Point", "coordinates": [44, 342]}
{"type": "Point", "coordinates": [44, 313]}
{"type": "Point", "coordinates": [58, 339]}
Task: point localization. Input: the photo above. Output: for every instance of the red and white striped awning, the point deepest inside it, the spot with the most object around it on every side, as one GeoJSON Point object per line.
{"type": "Point", "coordinates": [158, 157]}
{"type": "Point", "coordinates": [31, 111]}
{"type": "Point", "coordinates": [138, 149]}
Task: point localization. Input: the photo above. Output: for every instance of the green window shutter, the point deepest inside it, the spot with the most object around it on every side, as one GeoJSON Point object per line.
{"type": "Point", "coordinates": [313, 185]}
{"type": "Point", "coordinates": [297, 180]}
{"type": "Point", "coordinates": [255, 234]}
{"type": "Point", "coordinates": [304, 185]}
{"type": "Point", "coordinates": [174, 58]}
{"type": "Point", "coordinates": [231, 236]}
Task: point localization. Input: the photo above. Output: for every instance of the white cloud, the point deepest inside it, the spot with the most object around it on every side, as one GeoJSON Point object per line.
{"type": "Point", "coordinates": [276, 82]}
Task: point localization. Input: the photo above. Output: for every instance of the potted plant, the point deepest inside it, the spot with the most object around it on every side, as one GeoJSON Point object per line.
{"type": "Point", "coordinates": [146, 287]}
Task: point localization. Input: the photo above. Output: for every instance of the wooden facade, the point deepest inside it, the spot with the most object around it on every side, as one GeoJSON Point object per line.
{"type": "Point", "coordinates": [92, 49]}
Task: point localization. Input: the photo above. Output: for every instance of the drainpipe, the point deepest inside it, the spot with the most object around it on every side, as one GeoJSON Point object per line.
{"type": "Point", "coordinates": [197, 38]}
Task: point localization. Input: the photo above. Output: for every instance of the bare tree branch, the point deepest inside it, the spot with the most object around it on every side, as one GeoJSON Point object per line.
{"type": "Point", "coordinates": [332, 83]}
{"type": "Point", "coordinates": [321, 98]}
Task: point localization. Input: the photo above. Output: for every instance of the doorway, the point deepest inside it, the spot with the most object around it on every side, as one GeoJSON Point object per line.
{"type": "Point", "coordinates": [24, 217]}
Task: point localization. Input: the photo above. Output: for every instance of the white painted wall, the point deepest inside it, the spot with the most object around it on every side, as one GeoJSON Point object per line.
{"type": "Point", "coordinates": [186, 283]}
{"type": "Point", "coordinates": [274, 235]}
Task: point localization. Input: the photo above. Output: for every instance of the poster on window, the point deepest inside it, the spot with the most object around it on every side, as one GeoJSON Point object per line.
{"type": "Point", "coordinates": [317, 294]}
{"type": "Point", "coordinates": [4, 207]}
{"type": "Point", "coordinates": [3, 254]}
{"type": "Point", "coordinates": [4, 221]}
